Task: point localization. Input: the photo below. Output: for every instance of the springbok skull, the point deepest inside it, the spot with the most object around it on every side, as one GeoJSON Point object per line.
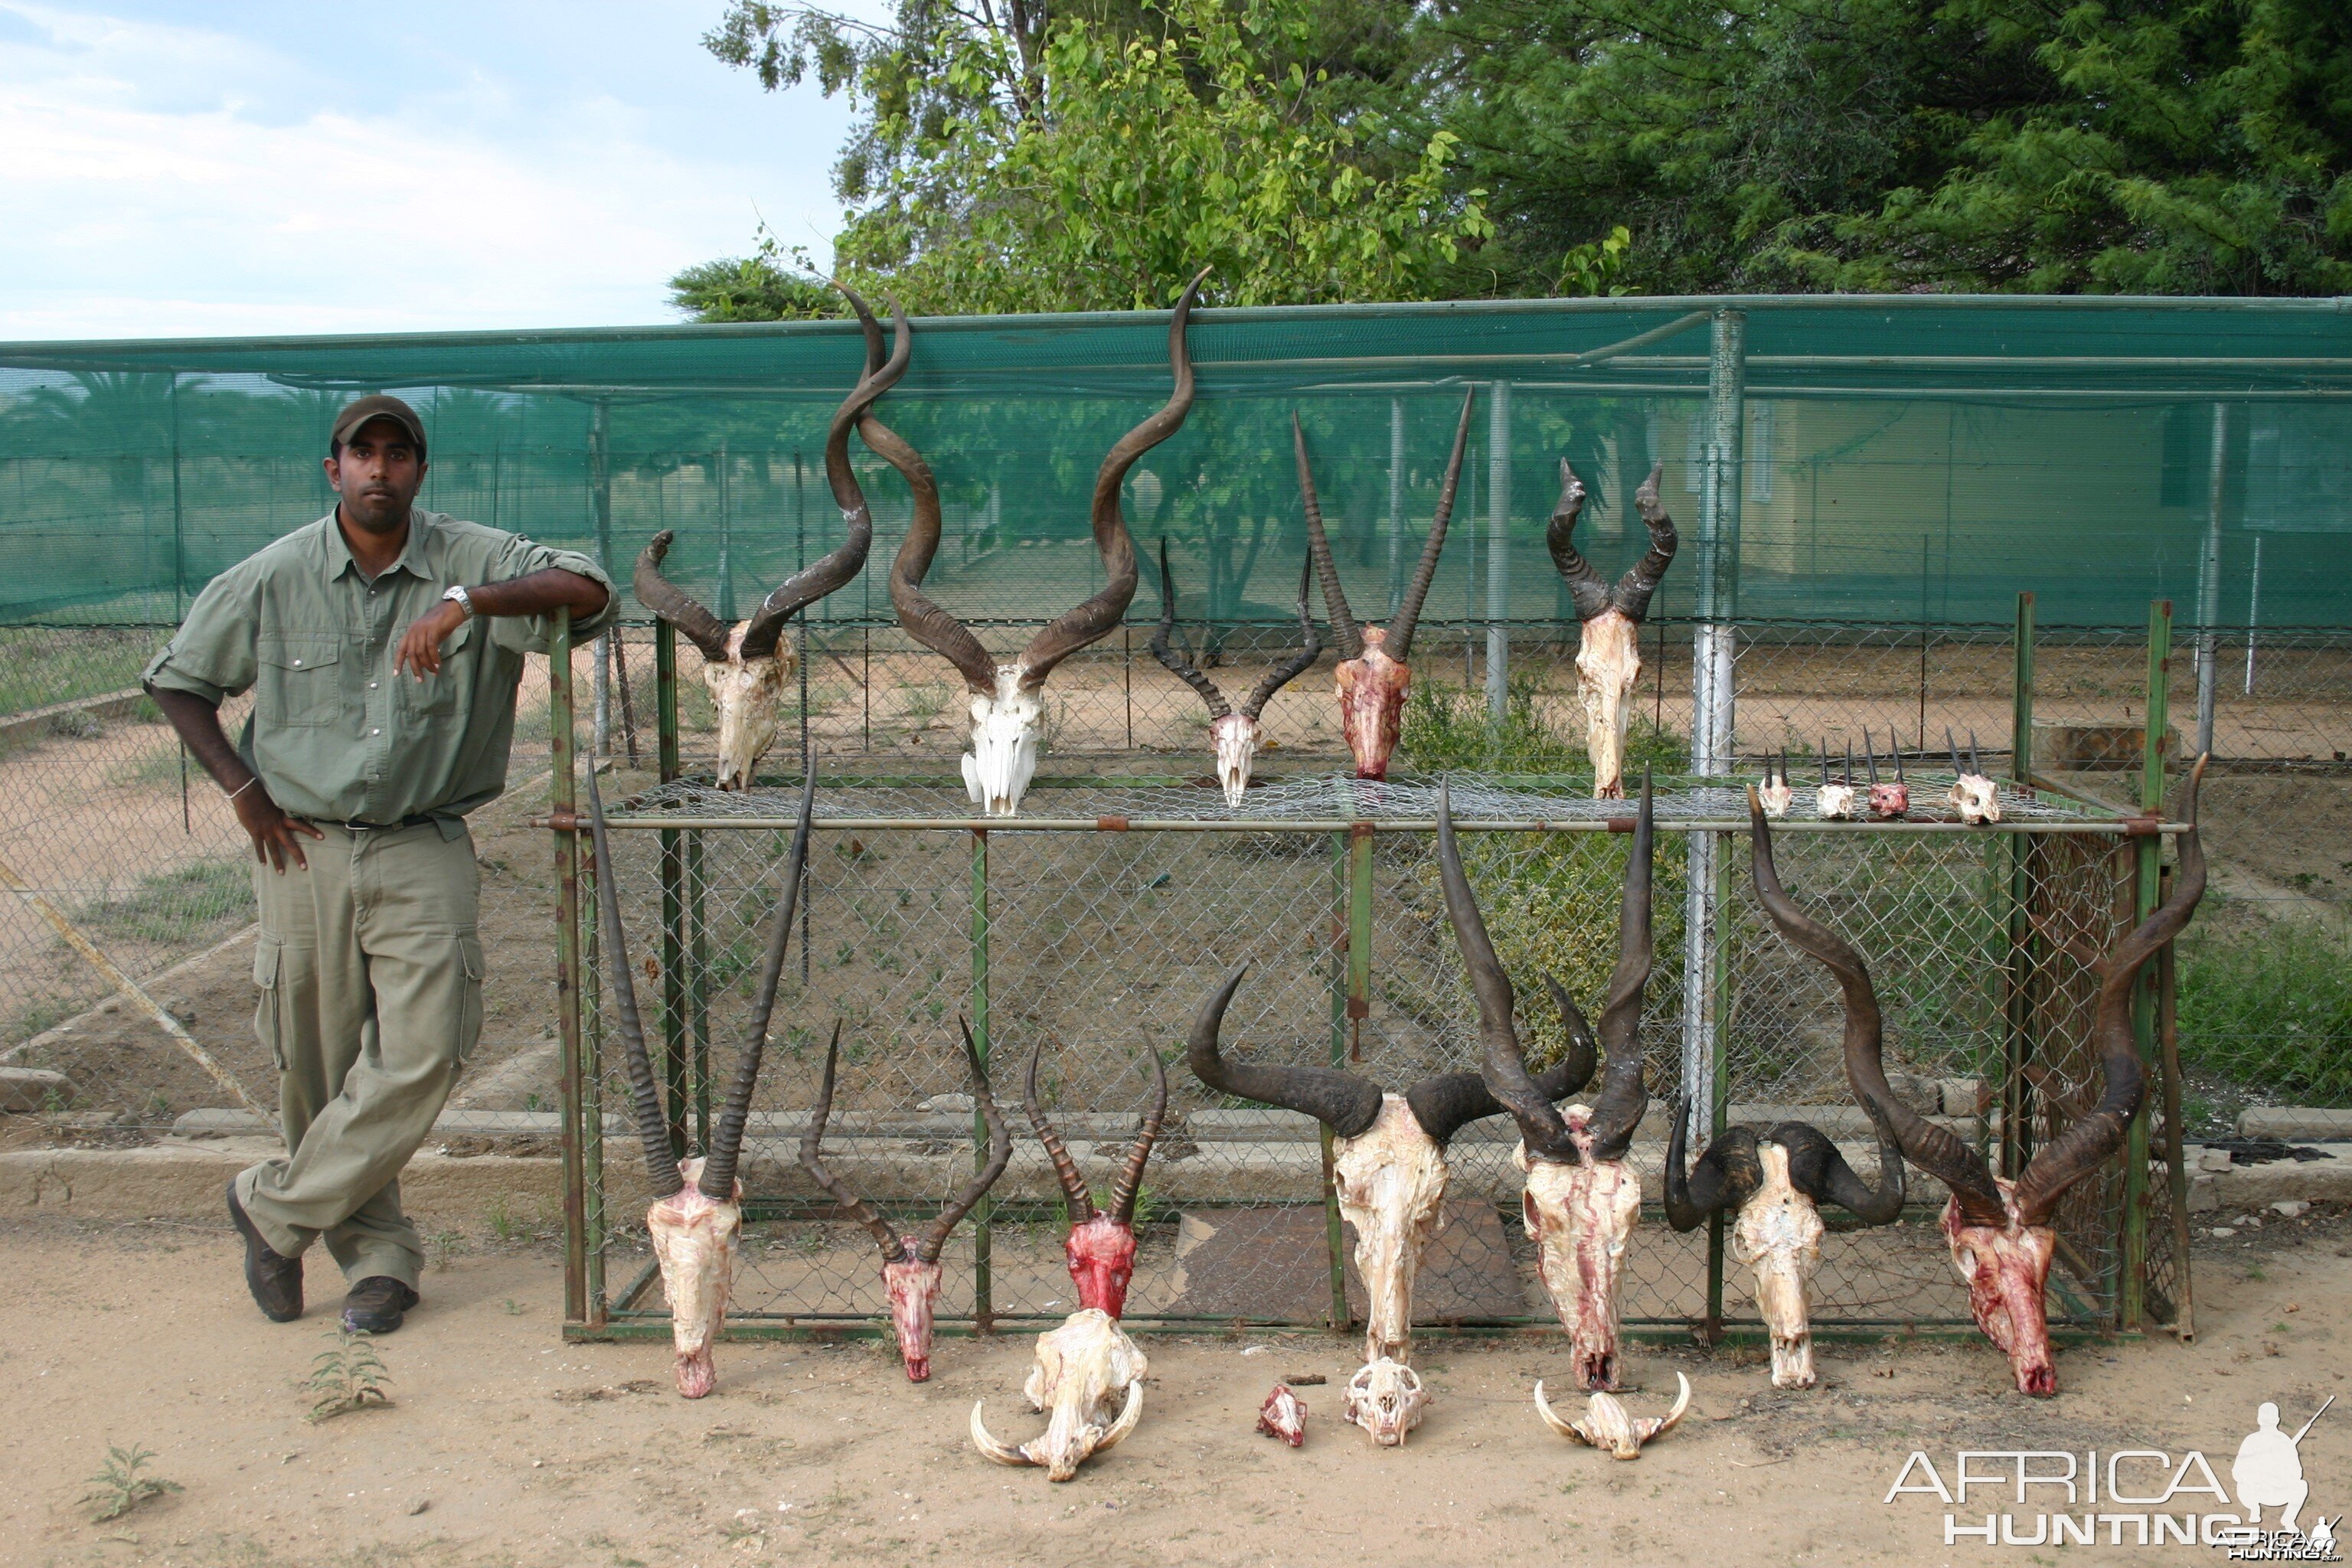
{"type": "Point", "coordinates": [1234, 735]}
{"type": "Point", "coordinates": [1386, 1399]}
{"type": "Point", "coordinates": [911, 1270]}
{"type": "Point", "coordinates": [1371, 677]}
{"type": "Point", "coordinates": [697, 1216]}
{"type": "Point", "coordinates": [747, 668]}
{"type": "Point", "coordinates": [1089, 1376]}
{"type": "Point", "coordinates": [1777, 794]}
{"type": "Point", "coordinates": [1282, 1415]}
{"type": "Point", "coordinates": [1609, 651]}
{"type": "Point", "coordinates": [1608, 1425]}
{"type": "Point", "coordinates": [1101, 1244]}
{"type": "Point", "coordinates": [1582, 1198]}
{"type": "Point", "coordinates": [1833, 801]}
{"type": "Point", "coordinates": [1006, 704]}
{"type": "Point", "coordinates": [1388, 1151]}
{"type": "Point", "coordinates": [1888, 802]}
{"type": "Point", "coordinates": [1974, 795]}
{"type": "Point", "coordinates": [2000, 1231]}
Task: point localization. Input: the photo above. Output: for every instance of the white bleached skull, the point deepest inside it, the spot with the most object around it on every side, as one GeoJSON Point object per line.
{"type": "Point", "coordinates": [1608, 1426]}
{"type": "Point", "coordinates": [695, 1241]}
{"type": "Point", "coordinates": [1835, 803]}
{"type": "Point", "coordinates": [1608, 656]}
{"type": "Point", "coordinates": [747, 694]}
{"type": "Point", "coordinates": [1235, 740]}
{"type": "Point", "coordinates": [1282, 1415]}
{"type": "Point", "coordinates": [1607, 663]}
{"type": "Point", "coordinates": [1391, 1180]}
{"type": "Point", "coordinates": [1975, 798]}
{"type": "Point", "coordinates": [1581, 1217]}
{"type": "Point", "coordinates": [1386, 1399]}
{"type": "Point", "coordinates": [1775, 794]}
{"type": "Point", "coordinates": [1003, 755]}
{"type": "Point", "coordinates": [1778, 1234]}
{"type": "Point", "coordinates": [1089, 1376]}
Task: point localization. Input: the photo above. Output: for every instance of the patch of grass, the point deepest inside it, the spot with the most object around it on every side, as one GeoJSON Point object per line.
{"type": "Point", "coordinates": [172, 907]}
{"type": "Point", "coordinates": [1447, 728]}
{"type": "Point", "coordinates": [346, 1377]}
{"type": "Point", "coordinates": [118, 1487]}
{"type": "Point", "coordinates": [2272, 1008]}
{"type": "Point", "coordinates": [44, 665]}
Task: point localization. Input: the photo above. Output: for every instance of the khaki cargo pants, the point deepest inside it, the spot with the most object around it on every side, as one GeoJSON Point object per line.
{"type": "Point", "coordinates": [370, 969]}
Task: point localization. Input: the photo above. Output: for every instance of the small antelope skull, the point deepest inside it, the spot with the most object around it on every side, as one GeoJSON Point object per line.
{"type": "Point", "coordinates": [1373, 677]}
{"type": "Point", "coordinates": [1888, 802]}
{"type": "Point", "coordinates": [1608, 1425]}
{"type": "Point", "coordinates": [1776, 794]}
{"type": "Point", "coordinates": [1233, 734]}
{"type": "Point", "coordinates": [1833, 801]}
{"type": "Point", "coordinates": [1998, 1231]}
{"type": "Point", "coordinates": [1609, 651]}
{"type": "Point", "coordinates": [1100, 1247]}
{"type": "Point", "coordinates": [696, 1218]}
{"type": "Point", "coordinates": [1582, 1198]}
{"type": "Point", "coordinates": [1386, 1399]}
{"type": "Point", "coordinates": [747, 668]}
{"type": "Point", "coordinates": [1089, 1376]}
{"type": "Point", "coordinates": [1974, 795]}
{"type": "Point", "coordinates": [911, 1270]}
{"type": "Point", "coordinates": [1005, 702]}
{"type": "Point", "coordinates": [1282, 1415]}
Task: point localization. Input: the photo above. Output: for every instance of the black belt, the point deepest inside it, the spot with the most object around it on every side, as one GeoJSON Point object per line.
{"type": "Point", "coordinates": [418, 821]}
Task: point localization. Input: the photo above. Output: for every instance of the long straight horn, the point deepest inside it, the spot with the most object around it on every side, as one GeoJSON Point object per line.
{"type": "Point", "coordinates": [2086, 1145]}
{"type": "Point", "coordinates": [1975, 763]}
{"type": "Point", "coordinates": [1319, 552]}
{"type": "Point", "coordinates": [1931, 1148]}
{"type": "Point", "coordinates": [1954, 747]}
{"type": "Point", "coordinates": [674, 603]}
{"type": "Point", "coordinates": [1163, 644]}
{"type": "Point", "coordinates": [1000, 1154]}
{"type": "Point", "coordinates": [1408, 615]}
{"type": "Point", "coordinates": [1587, 589]}
{"type": "Point", "coordinates": [894, 1246]}
{"type": "Point", "coordinates": [1073, 1184]}
{"type": "Point", "coordinates": [1345, 1103]}
{"type": "Point", "coordinates": [727, 1139]}
{"type": "Point", "coordinates": [661, 1161]}
{"type": "Point", "coordinates": [1310, 648]}
{"type": "Point", "coordinates": [1130, 1175]}
{"type": "Point", "coordinates": [1634, 589]}
{"type": "Point", "coordinates": [1618, 1111]}
{"type": "Point", "coordinates": [1093, 618]}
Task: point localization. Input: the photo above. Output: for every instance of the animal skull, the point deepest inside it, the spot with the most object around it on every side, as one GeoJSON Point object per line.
{"type": "Point", "coordinates": [1974, 795]}
{"type": "Point", "coordinates": [695, 1240]}
{"type": "Point", "coordinates": [1084, 1370]}
{"type": "Point", "coordinates": [1390, 1183]}
{"type": "Point", "coordinates": [1778, 1234]}
{"type": "Point", "coordinates": [1580, 1217]}
{"type": "Point", "coordinates": [1234, 740]}
{"type": "Point", "coordinates": [1386, 1399]}
{"type": "Point", "coordinates": [1608, 656]}
{"type": "Point", "coordinates": [1608, 1425]}
{"type": "Point", "coordinates": [1234, 734]}
{"type": "Point", "coordinates": [746, 693]}
{"type": "Point", "coordinates": [1100, 1247]}
{"type": "Point", "coordinates": [1887, 801]}
{"type": "Point", "coordinates": [1775, 794]}
{"type": "Point", "coordinates": [1003, 755]}
{"type": "Point", "coordinates": [1282, 1415]}
{"type": "Point", "coordinates": [2005, 1268]}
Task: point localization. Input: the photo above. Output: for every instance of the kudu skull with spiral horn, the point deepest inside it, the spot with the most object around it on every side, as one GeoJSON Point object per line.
{"type": "Point", "coordinates": [1583, 1196]}
{"type": "Point", "coordinates": [1006, 704]}
{"type": "Point", "coordinates": [746, 669]}
{"type": "Point", "coordinates": [1609, 616]}
{"type": "Point", "coordinates": [2000, 1231]}
{"type": "Point", "coordinates": [1234, 733]}
{"type": "Point", "coordinates": [1372, 675]}
{"type": "Point", "coordinates": [696, 1218]}
{"type": "Point", "coordinates": [1387, 1164]}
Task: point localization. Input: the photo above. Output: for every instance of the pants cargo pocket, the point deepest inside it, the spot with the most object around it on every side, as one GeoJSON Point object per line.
{"type": "Point", "coordinates": [470, 1002]}
{"type": "Point", "coordinates": [268, 1012]}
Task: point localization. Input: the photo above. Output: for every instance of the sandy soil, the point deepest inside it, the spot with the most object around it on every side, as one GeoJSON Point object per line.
{"type": "Point", "coordinates": [503, 1446]}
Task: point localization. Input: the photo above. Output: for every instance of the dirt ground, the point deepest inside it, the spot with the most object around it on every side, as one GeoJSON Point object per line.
{"type": "Point", "coordinates": [503, 1446]}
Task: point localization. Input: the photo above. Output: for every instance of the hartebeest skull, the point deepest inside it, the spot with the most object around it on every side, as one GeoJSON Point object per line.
{"type": "Point", "coordinates": [1777, 794]}
{"type": "Point", "coordinates": [1089, 1376]}
{"type": "Point", "coordinates": [1834, 800]}
{"type": "Point", "coordinates": [1388, 1153]}
{"type": "Point", "coordinates": [1005, 701]}
{"type": "Point", "coordinates": [746, 670]}
{"type": "Point", "coordinates": [1373, 677]}
{"type": "Point", "coordinates": [697, 1211]}
{"type": "Point", "coordinates": [1888, 802]}
{"type": "Point", "coordinates": [1608, 1425]}
{"type": "Point", "coordinates": [1101, 1244]}
{"type": "Point", "coordinates": [1233, 734]}
{"type": "Point", "coordinates": [911, 1270]}
{"type": "Point", "coordinates": [1582, 1197]}
{"type": "Point", "coordinates": [1609, 650]}
{"type": "Point", "coordinates": [2000, 1231]}
{"type": "Point", "coordinates": [1974, 795]}
{"type": "Point", "coordinates": [1387, 1399]}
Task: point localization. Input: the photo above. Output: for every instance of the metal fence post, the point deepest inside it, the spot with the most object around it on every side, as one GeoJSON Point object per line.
{"type": "Point", "coordinates": [983, 1308]}
{"type": "Point", "coordinates": [567, 970]}
{"type": "Point", "coordinates": [1396, 502]}
{"type": "Point", "coordinates": [2147, 887]}
{"type": "Point", "coordinates": [1498, 550]}
{"type": "Point", "coordinates": [2209, 578]}
{"type": "Point", "coordinates": [2017, 980]}
{"type": "Point", "coordinates": [1343, 955]}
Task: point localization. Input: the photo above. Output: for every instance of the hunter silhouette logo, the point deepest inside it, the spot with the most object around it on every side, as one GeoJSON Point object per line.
{"type": "Point", "coordinates": [2268, 1470]}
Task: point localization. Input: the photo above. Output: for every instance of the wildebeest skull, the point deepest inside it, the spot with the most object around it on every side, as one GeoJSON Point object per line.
{"type": "Point", "coordinates": [1089, 1376]}
{"type": "Point", "coordinates": [1609, 651]}
{"type": "Point", "coordinates": [1386, 1399]}
{"type": "Point", "coordinates": [1608, 1425]}
{"type": "Point", "coordinates": [1233, 734]}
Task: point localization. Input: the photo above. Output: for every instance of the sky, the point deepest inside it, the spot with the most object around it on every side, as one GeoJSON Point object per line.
{"type": "Point", "coordinates": [173, 170]}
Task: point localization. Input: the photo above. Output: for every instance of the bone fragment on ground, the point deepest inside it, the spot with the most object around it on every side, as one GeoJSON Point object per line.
{"type": "Point", "coordinates": [1282, 1415]}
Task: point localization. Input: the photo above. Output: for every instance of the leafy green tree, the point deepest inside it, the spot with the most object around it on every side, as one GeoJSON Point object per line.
{"type": "Point", "coordinates": [760, 287]}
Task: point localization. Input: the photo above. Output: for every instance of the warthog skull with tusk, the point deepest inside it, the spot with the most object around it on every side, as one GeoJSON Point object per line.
{"type": "Point", "coordinates": [1233, 734]}
{"type": "Point", "coordinates": [1089, 1376]}
{"type": "Point", "coordinates": [1386, 1399]}
{"type": "Point", "coordinates": [1373, 677]}
{"type": "Point", "coordinates": [1006, 700]}
{"type": "Point", "coordinates": [1582, 1197]}
{"type": "Point", "coordinates": [2000, 1231]}
{"type": "Point", "coordinates": [1608, 1425]}
{"type": "Point", "coordinates": [697, 1211]}
{"type": "Point", "coordinates": [746, 670]}
{"type": "Point", "coordinates": [1609, 651]}
{"type": "Point", "coordinates": [1974, 795]}
{"type": "Point", "coordinates": [911, 1270]}
{"type": "Point", "coordinates": [1101, 1242]}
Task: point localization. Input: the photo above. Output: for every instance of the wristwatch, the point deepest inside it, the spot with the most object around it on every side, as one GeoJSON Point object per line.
{"type": "Point", "coordinates": [456, 593]}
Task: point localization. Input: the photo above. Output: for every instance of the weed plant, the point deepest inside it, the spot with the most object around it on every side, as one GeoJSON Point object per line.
{"type": "Point", "coordinates": [118, 1487]}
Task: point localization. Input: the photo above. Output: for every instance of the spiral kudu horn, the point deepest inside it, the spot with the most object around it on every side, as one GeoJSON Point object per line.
{"type": "Point", "coordinates": [1444, 1103]}
{"type": "Point", "coordinates": [673, 604]}
{"type": "Point", "coordinates": [1345, 1103]}
{"type": "Point", "coordinates": [661, 1159]}
{"type": "Point", "coordinates": [1623, 1099]}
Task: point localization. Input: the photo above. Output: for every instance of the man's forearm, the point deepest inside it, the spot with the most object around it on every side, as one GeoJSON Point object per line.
{"type": "Point", "coordinates": [540, 593]}
{"type": "Point", "coordinates": [199, 726]}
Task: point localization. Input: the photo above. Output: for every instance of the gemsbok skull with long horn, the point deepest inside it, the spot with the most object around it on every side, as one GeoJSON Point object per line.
{"type": "Point", "coordinates": [1582, 1196]}
{"type": "Point", "coordinates": [1006, 705]}
{"type": "Point", "coordinates": [1609, 646]}
{"type": "Point", "coordinates": [1233, 734]}
{"type": "Point", "coordinates": [747, 668]}
{"type": "Point", "coordinates": [1372, 675]}
{"type": "Point", "coordinates": [2000, 1231]}
{"type": "Point", "coordinates": [696, 1218]}
{"type": "Point", "coordinates": [911, 1270]}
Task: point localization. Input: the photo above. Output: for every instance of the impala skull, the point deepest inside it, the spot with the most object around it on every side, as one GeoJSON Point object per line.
{"type": "Point", "coordinates": [1834, 801]}
{"type": "Point", "coordinates": [1386, 1399]}
{"type": "Point", "coordinates": [1609, 651]}
{"type": "Point", "coordinates": [1282, 1415]}
{"type": "Point", "coordinates": [1775, 794]}
{"type": "Point", "coordinates": [1089, 1376]}
{"type": "Point", "coordinates": [2000, 1231]}
{"type": "Point", "coordinates": [1234, 734]}
{"type": "Point", "coordinates": [746, 670]}
{"type": "Point", "coordinates": [1005, 703]}
{"type": "Point", "coordinates": [696, 1218]}
{"type": "Point", "coordinates": [1371, 677]}
{"type": "Point", "coordinates": [1608, 1425]}
{"type": "Point", "coordinates": [1974, 795]}
{"type": "Point", "coordinates": [1581, 1197]}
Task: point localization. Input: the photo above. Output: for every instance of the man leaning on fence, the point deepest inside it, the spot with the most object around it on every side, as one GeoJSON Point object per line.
{"type": "Point", "coordinates": [382, 714]}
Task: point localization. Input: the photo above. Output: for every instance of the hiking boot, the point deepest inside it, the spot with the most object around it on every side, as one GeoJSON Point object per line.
{"type": "Point", "coordinates": [275, 1280]}
{"type": "Point", "coordinates": [377, 1304]}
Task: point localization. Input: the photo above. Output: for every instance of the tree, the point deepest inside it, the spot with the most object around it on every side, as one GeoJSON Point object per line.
{"type": "Point", "coordinates": [756, 288]}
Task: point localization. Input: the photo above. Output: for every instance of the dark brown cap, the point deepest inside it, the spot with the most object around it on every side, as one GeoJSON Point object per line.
{"type": "Point", "coordinates": [379, 405]}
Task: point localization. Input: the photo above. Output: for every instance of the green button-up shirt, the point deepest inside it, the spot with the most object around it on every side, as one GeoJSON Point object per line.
{"type": "Point", "coordinates": [334, 734]}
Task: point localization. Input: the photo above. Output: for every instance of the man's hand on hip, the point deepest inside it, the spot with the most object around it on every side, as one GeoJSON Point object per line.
{"type": "Point", "coordinates": [273, 832]}
{"type": "Point", "coordinates": [420, 645]}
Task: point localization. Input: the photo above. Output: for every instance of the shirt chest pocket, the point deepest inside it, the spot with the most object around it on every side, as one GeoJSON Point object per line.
{"type": "Point", "coordinates": [438, 695]}
{"type": "Point", "coordinates": [299, 681]}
